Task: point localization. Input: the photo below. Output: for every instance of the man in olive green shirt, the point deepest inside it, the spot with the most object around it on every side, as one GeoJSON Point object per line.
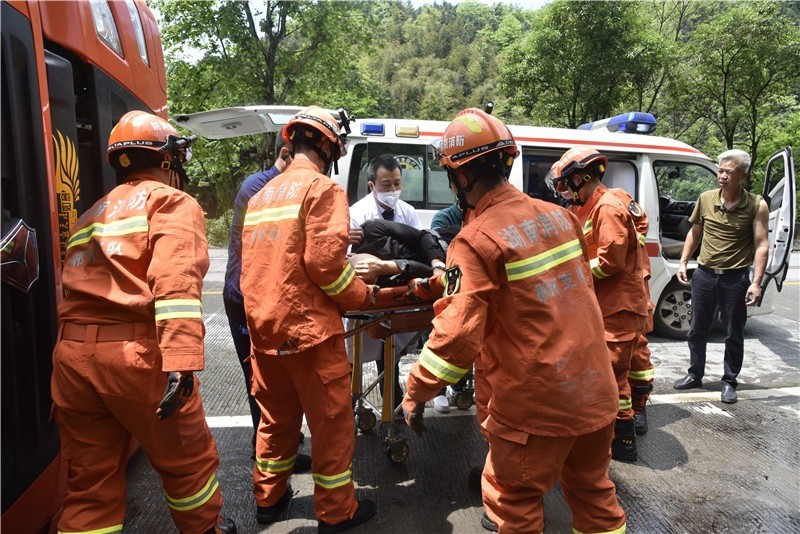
{"type": "Point", "coordinates": [733, 226]}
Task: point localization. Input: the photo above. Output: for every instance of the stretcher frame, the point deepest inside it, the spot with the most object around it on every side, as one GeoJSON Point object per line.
{"type": "Point", "coordinates": [414, 317]}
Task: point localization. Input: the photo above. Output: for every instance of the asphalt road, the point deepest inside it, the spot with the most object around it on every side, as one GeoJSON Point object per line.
{"type": "Point", "coordinates": [703, 467]}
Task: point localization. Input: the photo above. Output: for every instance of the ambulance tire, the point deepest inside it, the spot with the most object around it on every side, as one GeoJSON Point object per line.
{"type": "Point", "coordinates": [672, 317]}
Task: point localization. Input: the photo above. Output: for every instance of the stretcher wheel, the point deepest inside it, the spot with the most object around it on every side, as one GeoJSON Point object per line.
{"type": "Point", "coordinates": [465, 399]}
{"type": "Point", "coordinates": [398, 450]}
{"type": "Point", "coordinates": [365, 420]}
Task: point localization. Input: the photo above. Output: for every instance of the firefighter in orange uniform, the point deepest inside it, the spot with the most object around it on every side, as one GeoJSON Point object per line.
{"type": "Point", "coordinates": [617, 268]}
{"type": "Point", "coordinates": [517, 274]}
{"type": "Point", "coordinates": [131, 335]}
{"type": "Point", "coordinates": [296, 281]}
{"type": "Point", "coordinates": [642, 373]}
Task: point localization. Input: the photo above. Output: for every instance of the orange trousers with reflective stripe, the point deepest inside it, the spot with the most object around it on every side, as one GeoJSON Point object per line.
{"type": "Point", "coordinates": [640, 361]}
{"type": "Point", "coordinates": [315, 382]}
{"type": "Point", "coordinates": [107, 391]}
{"type": "Point", "coordinates": [517, 476]}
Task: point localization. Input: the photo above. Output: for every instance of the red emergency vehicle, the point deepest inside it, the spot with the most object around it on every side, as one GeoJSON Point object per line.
{"type": "Point", "coordinates": [70, 70]}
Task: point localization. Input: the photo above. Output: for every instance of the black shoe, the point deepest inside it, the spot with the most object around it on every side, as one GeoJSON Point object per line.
{"type": "Point", "coordinates": [728, 393]}
{"type": "Point", "coordinates": [688, 382]}
{"type": "Point", "coordinates": [488, 524]}
{"type": "Point", "coordinates": [365, 511]}
{"type": "Point", "coordinates": [640, 419]}
{"type": "Point", "coordinates": [302, 464]}
{"type": "Point", "coordinates": [269, 514]}
{"type": "Point", "coordinates": [225, 526]}
{"type": "Point", "coordinates": [623, 447]}
{"type": "Point", "coordinates": [302, 438]}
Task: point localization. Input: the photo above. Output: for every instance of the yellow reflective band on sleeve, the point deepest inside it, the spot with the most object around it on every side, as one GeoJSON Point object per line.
{"type": "Point", "coordinates": [341, 283]}
{"type": "Point", "coordinates": [625, 404]}
{"type": "Point", "coordinates": [198, 499]}
{"type": "Point", "coordinates": [106, 530]}
{"type": "Point", "coordinates": [292, 211]}
{"type": "Point", "coordinates": [647, 374]}
{"type": "Point", "coordinates": [642, 239]}
{"type": "Point", "coordinates": [440, 368]}
{"type": "Point", "coordinates": [620, 530]}
{"type": "Point", "coordinates": [9, 247]}
{"type": "Point", "coordinates": [179, 309]}
{"type": "Point", "coordinates": [517, 270]}
{"type": "Point", "coordinates": [332, 481]}
{"type": "Point", "coordinates": [275, 466]}
{"type": "Point", "coordinates": [131, 225]}
{"type": "Point", "coordinates": [594, 263]}
{"type": "Point", "coordinates": [587, 227]}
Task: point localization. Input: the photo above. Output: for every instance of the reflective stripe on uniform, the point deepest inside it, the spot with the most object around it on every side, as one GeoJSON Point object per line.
{"type": "Point", "coordinates": [332, 481]}
{"type": "Point", "coordinates": [642, 239]}
{"type": "Point", "coordinates": [620, 530]}
{"type": "Point", "coordinates": [534, 265]}
{"type": "Point", "coordinates": [179, 309]}
{"type": "Point", "coordinates": [198, 499]}
{"type": "Point", "coordinates": [105, 530]}
{"type": "Point", "coordinates": [647, 374]}
{"type": "Point", "coordinates": [625, 404]}
{"type": "Point", "coordinates": [272, 214]}
{"type": "Point", "coordinates": [275, 466]}
{"type": "Point", "coordinates": [341, 283]}
{"type": "Point", "coordinates": [587, 227]}
{"type": "Point", "coordinates": [131, 225]}
{"type": "Point", "coordinates": [594, 263]}
{"type": "Point", "coordinates": [440, 368]}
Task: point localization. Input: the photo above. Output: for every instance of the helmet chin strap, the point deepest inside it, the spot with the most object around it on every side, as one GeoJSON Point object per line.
{"type": "Point", "coordinates": [177, 174]}
{"type": "Point", "coordinates": [576, 197]}
{"type": "Point", "coordinates": [462, 199]}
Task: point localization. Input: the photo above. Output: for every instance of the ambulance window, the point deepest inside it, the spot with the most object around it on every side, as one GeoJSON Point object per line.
{"type": "Point", "coordinates": [681, 181]}
{"type": "Point", "coordinates": [412, 163]}
{"type": "Point", "coordinates": [621, 174]}
{"type": "Point", "coordinates": [439, 193]}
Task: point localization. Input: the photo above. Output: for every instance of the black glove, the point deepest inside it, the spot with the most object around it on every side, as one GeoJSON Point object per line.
{"type": "Point", "coordinates": [179, 388]}
{"type": "Point", "coordinates": [414, 418]}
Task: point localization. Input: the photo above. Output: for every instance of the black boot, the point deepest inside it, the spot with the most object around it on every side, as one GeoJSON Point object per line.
{"type": "Point", "coordinates": [225, 526]}
{"type": "Point", "coordinates": [639, 396]}
{"type": "Point", "coordinates": [269, 514]}
{"type": "Point", "coordinates": [623, 448]}
{"type": "Point", "coordinates": [364, 512]}
{"type": "Point", "coordinates": [488, 524]}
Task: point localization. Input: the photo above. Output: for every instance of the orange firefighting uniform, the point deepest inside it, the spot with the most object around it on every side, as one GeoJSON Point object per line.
{"type": "Point", "coordinates": [295, 282]}
{"type": "Point", "coordinates": [617, 268]}
{"type": "Point", "coordinates": [518, 278]}
{"type": "Point", "coordinates": [642, 373]}
{"type": "Point", "coordinates": [134, 272]}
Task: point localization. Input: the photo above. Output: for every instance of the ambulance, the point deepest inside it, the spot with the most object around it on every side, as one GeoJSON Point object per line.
{"type": "Point", "coordinates": [665, 177]}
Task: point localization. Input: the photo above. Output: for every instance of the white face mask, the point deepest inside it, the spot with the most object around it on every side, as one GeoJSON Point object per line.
{"type": "Point", "coordinates": [388, 198]}
{"type": "Point", "coordinates": [567, 195]}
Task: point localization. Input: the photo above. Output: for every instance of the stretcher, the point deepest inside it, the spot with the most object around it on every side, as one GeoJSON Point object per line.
{"type": "Point", "coordinates": [397, 310]}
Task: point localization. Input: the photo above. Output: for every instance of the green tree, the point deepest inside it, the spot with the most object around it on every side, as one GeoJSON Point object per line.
{"type": "Point", "coordinates": [576, 64]}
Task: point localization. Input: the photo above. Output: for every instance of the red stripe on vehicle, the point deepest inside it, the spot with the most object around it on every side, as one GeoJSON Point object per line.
{"type": "Point", "coordinates": [653, 249]}
{"type": "Point", "coordinates": [606, 143]}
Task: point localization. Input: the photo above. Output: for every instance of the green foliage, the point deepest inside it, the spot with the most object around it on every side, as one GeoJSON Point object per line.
{"type": "Point", "coordinates": [218, 230]}
{"type": "Point", "coordinates": [716, 74]}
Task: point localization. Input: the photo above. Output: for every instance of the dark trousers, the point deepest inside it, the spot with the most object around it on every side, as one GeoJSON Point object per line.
{"type": "Point", "coordinates": [726, 292]}
{"type": "Point", "coordinates": [241, 340]}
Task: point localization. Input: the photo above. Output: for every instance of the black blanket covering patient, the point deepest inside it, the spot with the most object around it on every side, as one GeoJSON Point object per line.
{"type": "Point", "coordinates": [410, 249]}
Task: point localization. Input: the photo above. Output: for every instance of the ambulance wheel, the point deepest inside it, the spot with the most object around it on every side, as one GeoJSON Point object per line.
{"type": "Point", "coordinates": [397, 452]}
{"type": "Point", "coordinates": [672, 317]}
{"type": "Point", "coordinates": [366, 420]}
{"type": "Point", "coordinates": [465, 399]}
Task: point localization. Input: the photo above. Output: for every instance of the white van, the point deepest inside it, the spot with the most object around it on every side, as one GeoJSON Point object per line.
{"type": "Point", "coordinates": [664, 175]}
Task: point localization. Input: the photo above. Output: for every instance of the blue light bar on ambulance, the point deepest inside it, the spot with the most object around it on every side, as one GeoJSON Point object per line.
{"type": "Point", "coordinates": [371, 128]}
{"type": "Point", "coordinates": [406, 130]}
{"type": "Point", "coordinates": [634, 122]}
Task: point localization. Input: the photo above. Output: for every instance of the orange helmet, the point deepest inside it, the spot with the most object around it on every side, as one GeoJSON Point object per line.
{"type": "Point", "coordinates": [576, 159]}
{"type": "Point", "coordinates": [314, 121]}
{"type": "Point", "coordinates": [472, 134]}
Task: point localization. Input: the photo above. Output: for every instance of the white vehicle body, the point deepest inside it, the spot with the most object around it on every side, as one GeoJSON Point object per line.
{"type": "Point", "coordinates": [665, 177]}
